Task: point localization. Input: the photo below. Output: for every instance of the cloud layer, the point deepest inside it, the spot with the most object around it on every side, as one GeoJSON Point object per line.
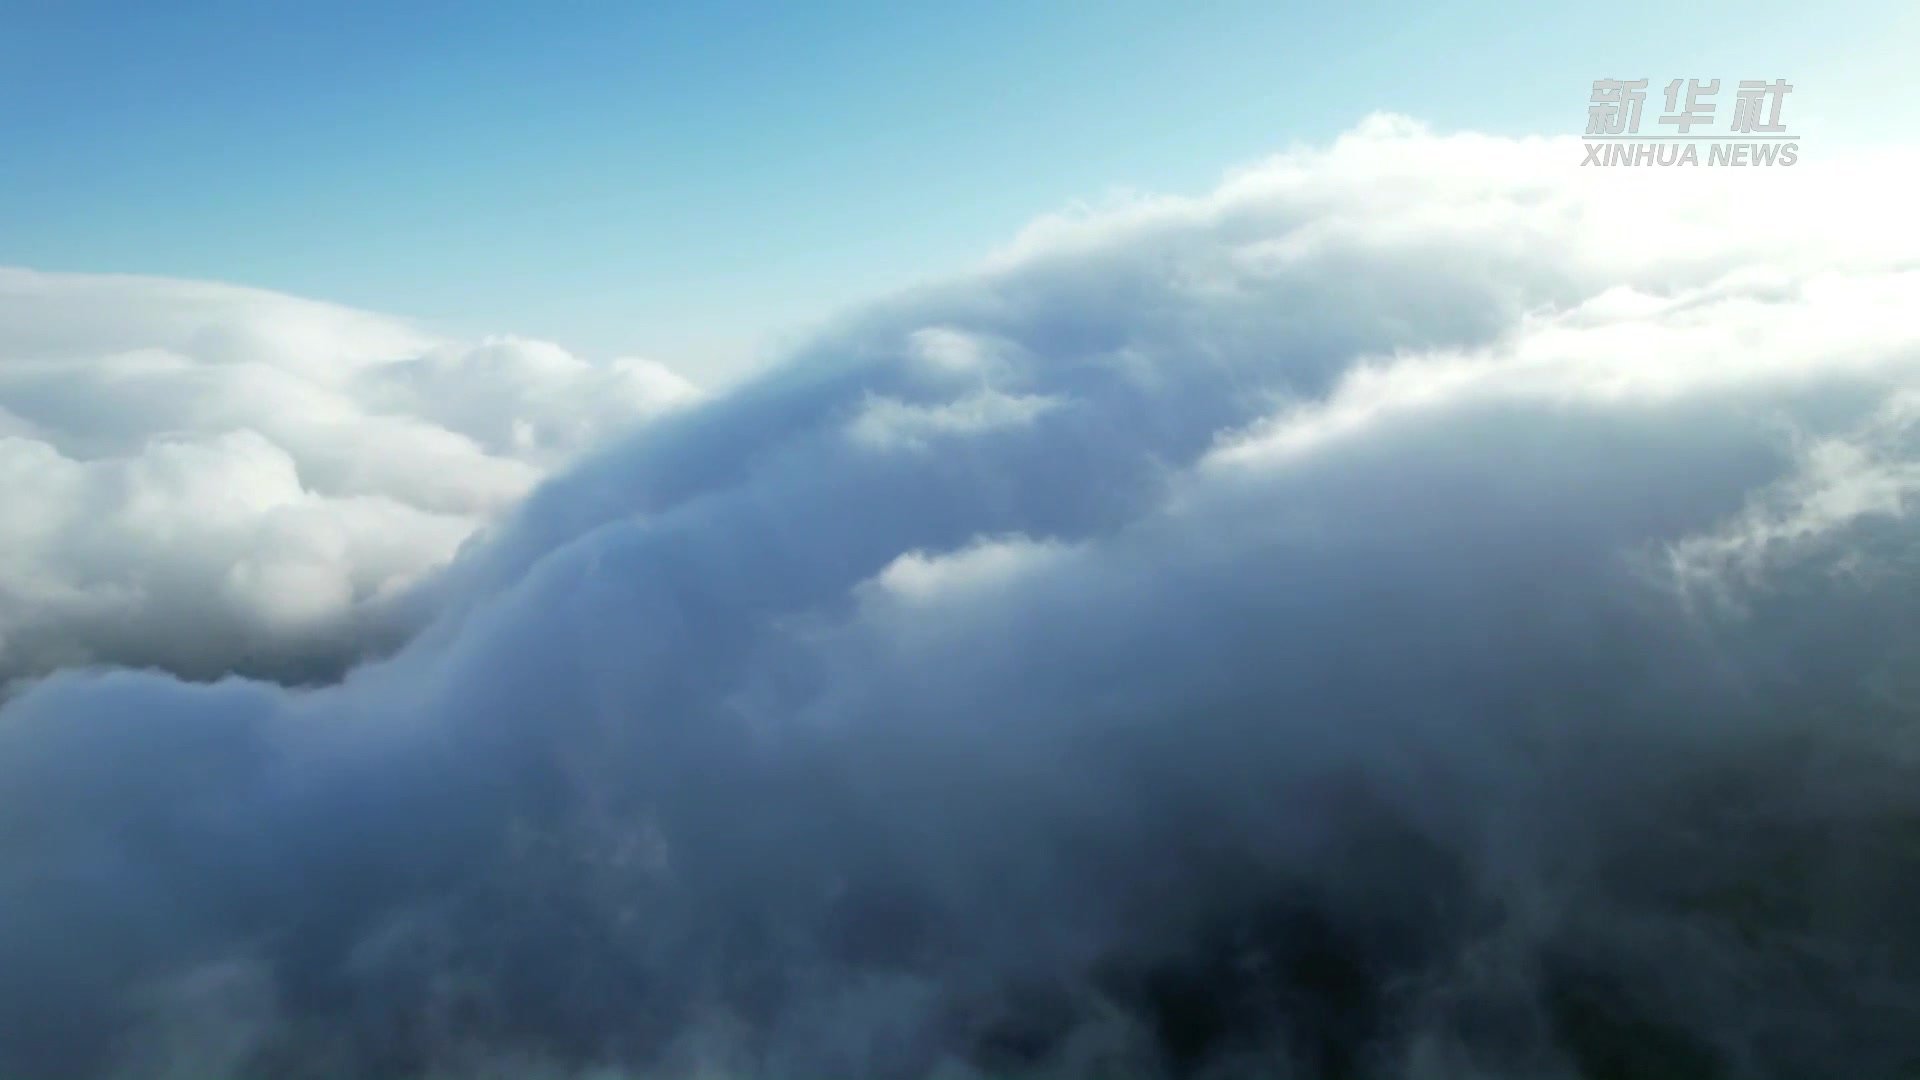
{"type": "Point", "coordinates": [208, 478]}
{"type": "Point", "coordinates": [1420, 610]}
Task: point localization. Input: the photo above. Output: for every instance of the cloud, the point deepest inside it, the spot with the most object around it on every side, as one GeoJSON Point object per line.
{"type": "Point", "coordinates": [209, 478]}
{"type": "Point", "coordinates": [1318, 685]}
{"type": "Point", "coordinates": [886, 423]}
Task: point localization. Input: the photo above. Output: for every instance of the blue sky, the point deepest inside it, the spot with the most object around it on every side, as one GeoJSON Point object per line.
{"type": "Point", "coordinates": [697, 183]}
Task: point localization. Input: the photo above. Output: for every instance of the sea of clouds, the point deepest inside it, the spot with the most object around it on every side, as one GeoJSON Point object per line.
{"type": "Point", "coordinates": [1419, 610]}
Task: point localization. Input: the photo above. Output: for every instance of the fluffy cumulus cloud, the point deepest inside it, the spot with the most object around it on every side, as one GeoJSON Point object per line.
{"type": "Point", "coordinates": [1421, 610]}
{"type": "Point", "coordinates": [210, 478]}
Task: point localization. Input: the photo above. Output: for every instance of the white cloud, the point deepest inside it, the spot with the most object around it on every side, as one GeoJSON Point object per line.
{"type": "Point", "coordinates": [207, 477]}
{"type": "Point", "coordinates": [919, 578]}
{"type": "Point", "coordinates": [1306, 685]}
{"type": "Point", "coordinates": [886, 423]}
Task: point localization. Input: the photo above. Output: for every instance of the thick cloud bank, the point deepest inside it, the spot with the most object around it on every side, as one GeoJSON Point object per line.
{"type": "Point", "coordinates": [209, 478]}
{"type": "Point", "coordinates": [1422, 610]}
